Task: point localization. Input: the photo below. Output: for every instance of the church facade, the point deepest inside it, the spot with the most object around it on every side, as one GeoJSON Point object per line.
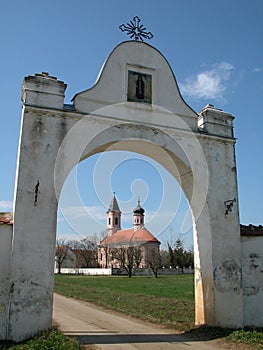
{"type": "Point", "coordinates": [140, 242]}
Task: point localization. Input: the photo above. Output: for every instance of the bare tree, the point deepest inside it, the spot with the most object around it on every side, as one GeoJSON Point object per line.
{"type": "Point", "coordinates": [128, 257]}
{"type": "Point", "coordinates": [107, 251]}
{"type": "Point", "coordinates": [154, 261]}
{"type": "Point", "coordinates": [61, 252]}
{"type": "Point", "coordinates": [137, 253]}
{"type": "Point", "coordinates": [86, 251]}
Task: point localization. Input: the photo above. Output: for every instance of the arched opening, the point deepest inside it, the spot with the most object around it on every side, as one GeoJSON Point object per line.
{"type": "Point", "coordinates": [130, 175]}
{"type": "Point", "coordinates": [162, 197]}
{"type": "Point", "coordinates": [178, 157]}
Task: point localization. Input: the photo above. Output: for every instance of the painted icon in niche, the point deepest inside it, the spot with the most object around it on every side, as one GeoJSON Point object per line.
{"type": "Point", "coordinates": [139, 87]}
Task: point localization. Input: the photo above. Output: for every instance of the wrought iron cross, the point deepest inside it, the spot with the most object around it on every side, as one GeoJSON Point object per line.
{"type": "Point", "coordinates": [136, 30]}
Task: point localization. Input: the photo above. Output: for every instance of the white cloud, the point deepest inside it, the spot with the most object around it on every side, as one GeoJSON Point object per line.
{"type": "Point", "coordinates": [6, 205]}
{"type": "Point", "coordinates": [77, 212]}
{"type": "Point", "coordinates": [208, 84]}
{"type": "Point", "coordinates": [257, 70]}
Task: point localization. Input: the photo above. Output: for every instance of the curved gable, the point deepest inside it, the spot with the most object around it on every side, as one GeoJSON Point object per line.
{"type": "Point", "coordinates": [138, 75]}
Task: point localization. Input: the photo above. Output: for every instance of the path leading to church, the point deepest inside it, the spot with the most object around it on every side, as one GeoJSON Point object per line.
{"type": "Point", "coordinates": [108, 330]}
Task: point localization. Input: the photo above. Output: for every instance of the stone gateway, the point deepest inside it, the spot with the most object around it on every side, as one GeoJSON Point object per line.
{"type": "Point", "coordinates": [135, 105]}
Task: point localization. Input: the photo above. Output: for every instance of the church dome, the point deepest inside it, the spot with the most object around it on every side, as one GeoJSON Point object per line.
{"type": "Point", "coordinates": [138, 209]}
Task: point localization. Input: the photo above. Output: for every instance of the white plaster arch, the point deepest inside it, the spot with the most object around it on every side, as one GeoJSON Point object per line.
{"type": "Point", "coordinates": [55, 137]}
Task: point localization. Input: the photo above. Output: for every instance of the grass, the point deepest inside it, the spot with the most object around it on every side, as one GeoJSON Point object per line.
{"type": "Point", "coordinates": [53, 339]}
{"type": "Point", "coordinates": [168, 300]}
{"type": "Point", "coordinates": [253, 338]}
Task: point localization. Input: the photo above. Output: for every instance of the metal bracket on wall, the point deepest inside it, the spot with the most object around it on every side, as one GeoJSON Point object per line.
{"type": "Point", "coordinates": [229, 205]}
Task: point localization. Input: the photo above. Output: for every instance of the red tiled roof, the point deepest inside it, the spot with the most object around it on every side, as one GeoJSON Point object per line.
{"type": "Point", "coordinates": [141, 235]}
{"type": "Point", "coordinates": [251, 230]}
{"type": "Point", "coordinates": [6, 218]}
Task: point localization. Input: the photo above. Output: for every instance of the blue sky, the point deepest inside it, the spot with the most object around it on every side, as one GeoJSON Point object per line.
{"type": "Point", "coordinates": [215, 50]}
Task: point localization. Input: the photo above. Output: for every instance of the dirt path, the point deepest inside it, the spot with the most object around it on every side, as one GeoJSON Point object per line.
{"type": "Point", "coordinates": [107, 330]}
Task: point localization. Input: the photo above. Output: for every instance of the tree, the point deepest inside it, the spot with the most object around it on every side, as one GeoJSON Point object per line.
{"type": "Point", "coordinates": [107, 251]}
{"type": "Point", "coordinates": [128, 257]}
{"type": "Point", "coordinates": [179, 254]}
{"type": "Point", "coordinates": [86, 251]}
{"type": "Point", "coordinates": [189, 258]}
{"type": "Point", "coordinates": [176, 255]}
{"type": "Point", "coordinates": [164, 258]}
{"type": "Point", "coordinates": [170, 256]}
{"type": "Point", "coordinates": [154, 261]}
{"type": "Point", "coordinates": [61, 252]}
{"type": "Point", "coordinates": [171, 244]}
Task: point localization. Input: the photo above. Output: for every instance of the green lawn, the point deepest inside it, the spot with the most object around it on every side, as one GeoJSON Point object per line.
{"type": "Point", "coordinates": [167, 300]}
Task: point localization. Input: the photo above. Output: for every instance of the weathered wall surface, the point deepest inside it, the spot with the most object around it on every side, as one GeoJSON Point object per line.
{"type": "Point", "coordinates": [6, 234]}
{"type": "Point", "coordinates": [225, 241]}
{"type": "Point", "coordinates": [252, 270]}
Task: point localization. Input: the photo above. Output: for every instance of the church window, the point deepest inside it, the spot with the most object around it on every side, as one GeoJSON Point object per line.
{"type": "Point", "coordinates": [109, 221]}
{"type": "Point", "coordinates": [116, 221]}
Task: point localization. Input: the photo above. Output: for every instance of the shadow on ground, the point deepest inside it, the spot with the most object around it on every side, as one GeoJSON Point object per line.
{"type": "Point", "coordinates": [197, 334]}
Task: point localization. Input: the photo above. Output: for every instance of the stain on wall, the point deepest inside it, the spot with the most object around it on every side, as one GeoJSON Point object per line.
{"type": "Point", "coordinates": [252, 274]}
{"type": "Point", "coordinates": [227, 277]}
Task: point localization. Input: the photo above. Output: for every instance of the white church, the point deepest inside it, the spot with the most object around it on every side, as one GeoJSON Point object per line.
{"type": "Point", "coordinates": [138, 237]}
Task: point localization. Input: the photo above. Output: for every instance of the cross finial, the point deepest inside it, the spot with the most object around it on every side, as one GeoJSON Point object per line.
{"type": "Point", "coordinates": [136, 30]}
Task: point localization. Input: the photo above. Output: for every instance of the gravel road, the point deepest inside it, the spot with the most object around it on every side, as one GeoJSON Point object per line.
{"type": "Point", "coordinates": [111, 331]}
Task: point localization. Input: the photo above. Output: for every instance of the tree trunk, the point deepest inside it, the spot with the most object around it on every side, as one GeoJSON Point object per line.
{"type": "Point", "coordinates": [130, 272]}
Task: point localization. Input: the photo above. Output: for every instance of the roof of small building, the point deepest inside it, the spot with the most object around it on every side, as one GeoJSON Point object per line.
{"type": "Point", "coordinates": [251, 230]}
{"type": "Point", "coordinates": [140, 236]}
{"type": "Point", "coordinates": [6, 218]}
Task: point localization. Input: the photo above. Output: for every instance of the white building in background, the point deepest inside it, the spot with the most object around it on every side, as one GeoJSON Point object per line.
{"type": "Point", "coordinates": [138, 237]}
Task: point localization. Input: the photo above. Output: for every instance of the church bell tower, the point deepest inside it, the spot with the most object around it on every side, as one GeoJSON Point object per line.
{"type": "Point", "coordinates": [113, 217]}
{"type": "Point", "coordinates": [138, 217]}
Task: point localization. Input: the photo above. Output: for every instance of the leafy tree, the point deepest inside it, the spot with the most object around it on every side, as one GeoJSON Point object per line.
{"type": "Point", "coordinates": [179, 255]}
{"type": "Point", "coordinates": [176, 255]}
{"type": "Point", "coordinates": [189, 258]}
